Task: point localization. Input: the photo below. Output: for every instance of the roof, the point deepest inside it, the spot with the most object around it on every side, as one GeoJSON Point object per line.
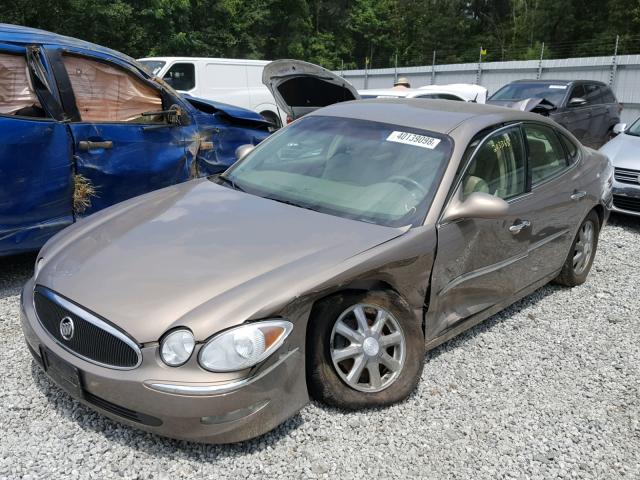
{"type": "Point", "coordinates": [441, 116]}
{"type": "Point", "coordinates": [24, 35]}
{"type": "Point", "coordinates": [560, 82]}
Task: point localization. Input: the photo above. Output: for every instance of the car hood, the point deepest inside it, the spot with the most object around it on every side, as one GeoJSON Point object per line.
{"type": "Point", "coordinates": [623, 151]}
{"type": "Point", "coordinates": [209, 106]}
{"type": "Point", "coordinates": [535, 105]}
{"type": "Point", "coordinates": [197, 250]}
{"type": "Point", "coordinates": [301, 87]}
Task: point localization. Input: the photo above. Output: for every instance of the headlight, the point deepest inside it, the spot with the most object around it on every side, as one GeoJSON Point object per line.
{"type": "Point", "coordinates": [177, 347]}
{"type": "Point", "coordinates": [244, 346]}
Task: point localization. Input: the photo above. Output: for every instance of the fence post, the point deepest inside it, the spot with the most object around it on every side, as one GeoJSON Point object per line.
{"type": "Point", "coordinates": [433, 69]}
{"type": "Point", "coordinates": [366, 73]}
{"type": "Point", "coordinates": [479, 71]}
{"type": "Point", "coordinates": [614, 64]}
{"type": "Point", "coordinates": [395, 71]}
{"type": "Point", "coordinates": [540, 62]}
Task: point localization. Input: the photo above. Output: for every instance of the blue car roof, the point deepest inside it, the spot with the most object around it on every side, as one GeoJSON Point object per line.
{"type": "Point", "coordinates": [25, 35]}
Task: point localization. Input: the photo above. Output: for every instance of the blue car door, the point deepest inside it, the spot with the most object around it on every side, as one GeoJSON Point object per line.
{"type": "Point", "coordinates": [120, 150]}
{"type": "Point", "coordinates": [35, 154]}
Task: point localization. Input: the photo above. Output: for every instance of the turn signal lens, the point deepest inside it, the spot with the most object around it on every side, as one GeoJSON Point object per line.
{"type": "Point", "coordinates": [244, 346]}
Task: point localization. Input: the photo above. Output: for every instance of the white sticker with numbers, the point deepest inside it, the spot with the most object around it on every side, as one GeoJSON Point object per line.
{"type": "Point", "coordinates": [414, 139]}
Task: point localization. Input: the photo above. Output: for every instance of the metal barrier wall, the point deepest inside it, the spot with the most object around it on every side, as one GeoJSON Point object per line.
{"type": "Point", "coordinates": [621, 72]}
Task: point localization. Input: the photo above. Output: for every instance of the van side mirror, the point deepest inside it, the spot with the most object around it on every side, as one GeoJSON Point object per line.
{"type": "Point", "coordinates": [476, 205]}
{"type": "Point", "coordinates": [619, 128]}
{"type": "Point", "coordinates": [577, 102]}
{"type": "Point", "coordinates": [243, 150]}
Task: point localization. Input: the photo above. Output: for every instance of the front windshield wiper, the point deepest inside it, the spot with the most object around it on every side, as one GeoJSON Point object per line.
{"type": "Point", "coordinates": [231, 183]}
{"type": "Point", "coordinates": [289, 202]}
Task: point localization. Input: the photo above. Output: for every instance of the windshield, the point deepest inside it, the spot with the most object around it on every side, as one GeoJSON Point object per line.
{"type": "Point", "coordinates": [634, 129]}
{"type": "Point", "coordinates": [552, 92]}
{"type": "Point", "coordinates": [373, 172]}
{"type": "Point", "coordinates": [153, 66]}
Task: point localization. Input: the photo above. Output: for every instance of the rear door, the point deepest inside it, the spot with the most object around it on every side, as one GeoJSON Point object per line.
{"type": "Point", "coordinates": [576, 119]}
{"type": "Point", "coordinates": [119, 153]}
{"type": "Point", "coordinates": [301, 87]}
{"type": "Point", "coordinates": [35, 154]}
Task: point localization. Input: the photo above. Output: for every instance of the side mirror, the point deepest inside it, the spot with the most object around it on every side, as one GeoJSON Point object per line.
{"type": "Point", "coordinates": [577, 102]}
{"type": "Point", "coordinates": [476, 205]}
{"type": "Point", "coordinates": [243, 150]}
{"type": "Point", "coordinates": [619, 128]}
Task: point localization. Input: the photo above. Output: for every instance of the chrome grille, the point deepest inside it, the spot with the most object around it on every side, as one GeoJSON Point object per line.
{"type": "Point", "coordinates": [93, 339]}
{"type": "Point", "coordinates": [627, 175]}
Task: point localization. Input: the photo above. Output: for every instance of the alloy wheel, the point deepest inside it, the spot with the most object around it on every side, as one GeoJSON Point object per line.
{"type": "Point", "coordinates": [367, 348]}
{"type": "Point", "coordinates": [584, 247]}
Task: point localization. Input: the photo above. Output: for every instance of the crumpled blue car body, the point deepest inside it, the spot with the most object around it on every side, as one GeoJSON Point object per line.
{"type": "Point", "coordinates": [41, 158]}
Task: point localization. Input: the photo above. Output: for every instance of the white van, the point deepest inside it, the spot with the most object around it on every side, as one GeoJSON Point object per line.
{"type": "Point", "coordinates": [232, 81]}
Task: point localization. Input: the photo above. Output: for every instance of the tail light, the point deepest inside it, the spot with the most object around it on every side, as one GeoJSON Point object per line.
{"type": "Point", "coordinates": [289, 119]}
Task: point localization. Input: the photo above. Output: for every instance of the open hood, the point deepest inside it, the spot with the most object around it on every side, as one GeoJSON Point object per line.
{"type": "Point", "coordinates": [535, 105]}
{"type": "Point", "coordinates": [301, 87]}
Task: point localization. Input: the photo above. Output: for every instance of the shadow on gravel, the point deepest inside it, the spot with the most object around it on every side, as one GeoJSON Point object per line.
{"type": "Point", "coordinates": [625, 221]}
{"type": "Point", "coordinates": [154, 445]}
{"type": "Point", "coordinates": [14, 272]}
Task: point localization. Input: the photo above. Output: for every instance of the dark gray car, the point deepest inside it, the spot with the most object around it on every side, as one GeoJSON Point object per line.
{"type": "Point", "coordinates": [586, 108]}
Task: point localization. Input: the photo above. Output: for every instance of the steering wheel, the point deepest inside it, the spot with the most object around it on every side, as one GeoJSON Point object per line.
{"type": "Point", "coordinates": [406, 181]}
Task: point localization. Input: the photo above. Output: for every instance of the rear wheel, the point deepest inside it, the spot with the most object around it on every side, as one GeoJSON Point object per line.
{"type": "Point", "coordinates": [365, 350]}
{"type": "Point", "coordinates": [583, 249]}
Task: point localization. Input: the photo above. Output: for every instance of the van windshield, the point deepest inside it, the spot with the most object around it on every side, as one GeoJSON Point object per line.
{"type": "Point", "coordinates": [153, 66]}
{"type": "Point", "coordinates": [369, 171]}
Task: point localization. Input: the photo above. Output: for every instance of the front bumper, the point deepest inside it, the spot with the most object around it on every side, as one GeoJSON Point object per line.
{"type": "Point", "coordinates": [212, 412]}
{"type": "Point", "coordinates": [626, 199]}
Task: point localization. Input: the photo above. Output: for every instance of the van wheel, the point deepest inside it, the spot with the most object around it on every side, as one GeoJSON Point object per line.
{"type": "Point", "coordinates": [364, 349]}
{"type": "Point", "coordinates": [577, 266]}
{"type": "Point", "coordinates": [272, 118]}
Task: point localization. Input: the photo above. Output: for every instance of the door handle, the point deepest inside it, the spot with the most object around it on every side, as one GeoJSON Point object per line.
{"type": "Point", "coordinates": [578, 195]}
{"type": "Point", "coordinates": [518, 227]}
{"type": "Point", "coordinates": [86, 145]}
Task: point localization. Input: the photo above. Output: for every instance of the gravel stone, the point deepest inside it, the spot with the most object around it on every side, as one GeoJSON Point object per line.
{"type": "Point", "coordinates": [549, 388]}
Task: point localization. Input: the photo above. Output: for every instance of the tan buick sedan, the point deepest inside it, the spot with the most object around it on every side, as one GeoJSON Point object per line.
{"type": "Point", "coordinates": [323, 264]}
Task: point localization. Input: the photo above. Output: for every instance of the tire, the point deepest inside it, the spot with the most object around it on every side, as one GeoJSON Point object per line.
{"type": "Point", "coordinates": [328, 376]}
{"type": "Point", "coordinates": [575, 270]}
{"type": "Point", "coordinates": [272, 118]}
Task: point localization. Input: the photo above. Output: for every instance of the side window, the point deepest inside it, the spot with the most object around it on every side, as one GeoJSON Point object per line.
{"type": "Point", "coordinates": [546, 155]}
{"type": "Point", "coordinates": [498, 167]}
{"type": "Point", "coordinates": [570, 147]}
{"type": "Point", "coordinates": [577, 92]}
{"type": "Point", "coordinates": [181, 76]}
{"type": "Point", "coordinates": [17, 96]}
{"type": "Point", "coordinates": [593, 94]}
{"type": "Point", "coordinates": [105, 93]}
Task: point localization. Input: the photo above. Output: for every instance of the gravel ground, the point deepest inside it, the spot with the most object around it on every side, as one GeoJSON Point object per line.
{"type": "Point", "coordinates": [550, 388]}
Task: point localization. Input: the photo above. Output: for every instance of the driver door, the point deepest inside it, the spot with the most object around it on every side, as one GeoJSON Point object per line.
{"type": "Point", "coordinates": [482, 262]}
{"type": "Point", "coordinates": [119, 153]}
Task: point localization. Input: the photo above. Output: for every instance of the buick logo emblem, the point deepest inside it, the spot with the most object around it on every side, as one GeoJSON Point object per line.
{"type": "Point", "coordinates": [67, 328]}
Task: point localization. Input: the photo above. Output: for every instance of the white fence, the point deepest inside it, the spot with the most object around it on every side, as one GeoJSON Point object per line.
{"type": "Point", "coordinates": [621, 72]}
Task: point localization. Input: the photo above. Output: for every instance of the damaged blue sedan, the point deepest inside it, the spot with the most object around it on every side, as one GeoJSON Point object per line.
{"type": "Point", "coordinates": [83, 127]}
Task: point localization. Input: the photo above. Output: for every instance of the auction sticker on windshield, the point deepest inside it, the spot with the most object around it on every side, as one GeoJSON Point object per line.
{"type": "Point", "coordinates": [413, 139]}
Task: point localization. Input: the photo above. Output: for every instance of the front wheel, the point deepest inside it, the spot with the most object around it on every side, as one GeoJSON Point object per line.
{"type": "Point", "coordinates": [364, 350]}
{"type": "Point", "coordinates": [577, 266]}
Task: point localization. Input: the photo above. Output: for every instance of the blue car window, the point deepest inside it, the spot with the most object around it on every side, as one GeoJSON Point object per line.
{"type": "Point", "coordinates": [105, 93]}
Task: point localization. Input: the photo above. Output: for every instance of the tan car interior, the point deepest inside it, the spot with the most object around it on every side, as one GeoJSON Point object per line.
{"type": "Point", "coordinates": [17, 96]}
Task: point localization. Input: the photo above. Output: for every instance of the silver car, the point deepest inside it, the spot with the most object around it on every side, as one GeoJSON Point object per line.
{"type": "Point", "coordinates": [624, 153]}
